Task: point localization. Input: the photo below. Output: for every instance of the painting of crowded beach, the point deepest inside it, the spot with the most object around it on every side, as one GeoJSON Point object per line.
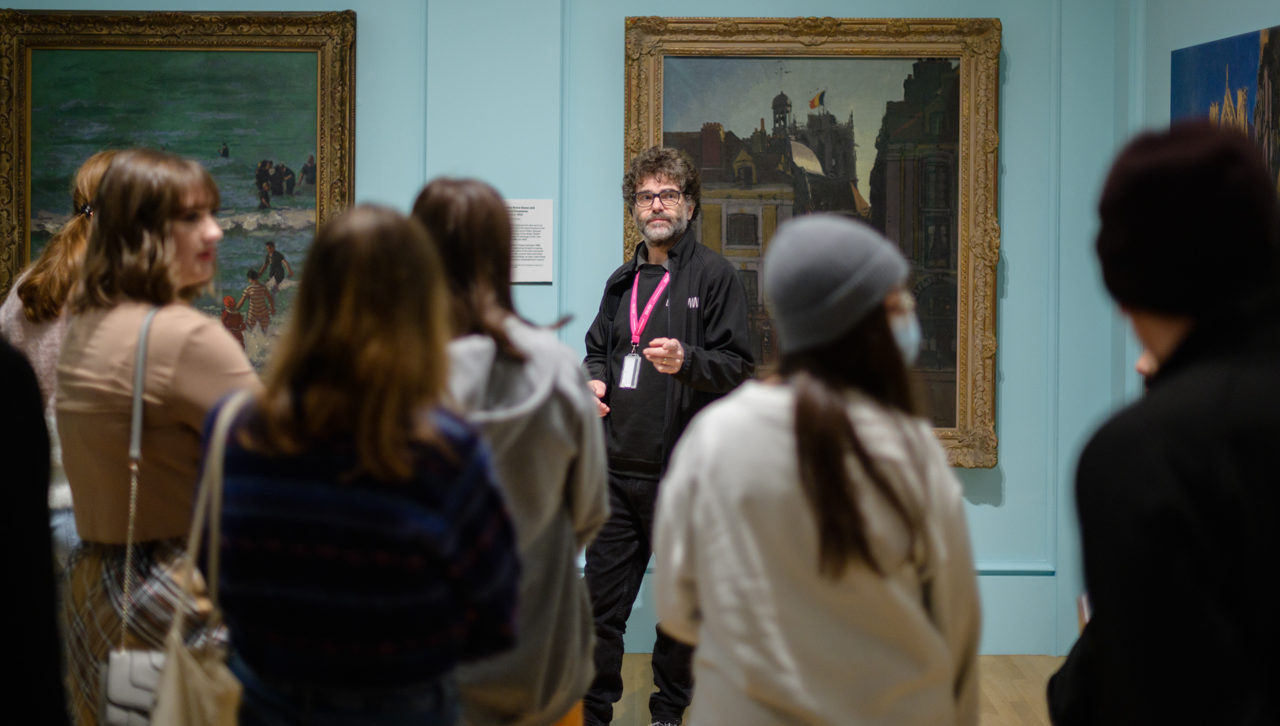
{"type": "Point", "coordinates": [251, 117]}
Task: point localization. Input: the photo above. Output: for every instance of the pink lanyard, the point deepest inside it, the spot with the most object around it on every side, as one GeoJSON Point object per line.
{"type": "Point", "coordinates": [637, 326]}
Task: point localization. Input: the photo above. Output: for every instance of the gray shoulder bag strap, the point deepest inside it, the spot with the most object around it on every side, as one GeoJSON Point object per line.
{"type": "Point", "coordinates": [135, 457]}
{"type": "Point", "coordinates": [128, 678]}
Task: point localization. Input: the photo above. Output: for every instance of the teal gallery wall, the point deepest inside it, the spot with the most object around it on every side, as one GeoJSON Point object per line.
{"type": "Point", "coordinates": [528, 95]}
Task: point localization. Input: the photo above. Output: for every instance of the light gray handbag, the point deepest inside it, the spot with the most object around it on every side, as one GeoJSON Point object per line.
{"type": "Point", "coordinates": [129, 678]}
{"type": "Point", "coordinates": [193, 685]}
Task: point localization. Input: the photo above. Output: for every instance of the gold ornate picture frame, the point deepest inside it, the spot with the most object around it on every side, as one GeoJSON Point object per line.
{"type": "Point", "coordinates": [731, 92]}
{"type": "Point", "coordinates": [265, 101]}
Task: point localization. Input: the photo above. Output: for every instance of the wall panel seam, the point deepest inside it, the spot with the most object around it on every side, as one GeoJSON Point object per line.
{"type": "Point", "coordinates": [1053, 284]}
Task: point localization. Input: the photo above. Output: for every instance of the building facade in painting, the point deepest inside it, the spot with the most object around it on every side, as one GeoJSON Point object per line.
{"type": "Point", "coordinates": [1266, 108]}
{"type": "Point", "coordinates": [1231, 114]}
{"type": "Point", "coordinates": [915, 202]}
{"type": "Point", "coordinates": [787, 167]}
{"type": "Point", "coordinates": [751, 185]}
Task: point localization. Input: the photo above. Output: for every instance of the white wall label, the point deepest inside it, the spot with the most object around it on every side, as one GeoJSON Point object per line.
{"type": "Point", "coordinates": [531, 240]}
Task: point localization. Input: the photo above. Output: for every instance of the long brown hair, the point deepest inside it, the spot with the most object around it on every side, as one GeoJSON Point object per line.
{"type": "Point", "coordinates": [867, 359]}
{"type": "Point", "coordinates": [470, 224]}
{"type": "Point", "coordinates": [365, 349]}
{"type": "Point", "coordinates": [131, 250]}
{"type": "Point", "coordinates": [47, 286]}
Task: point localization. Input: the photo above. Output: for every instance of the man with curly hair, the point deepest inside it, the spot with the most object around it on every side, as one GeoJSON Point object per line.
{"type": "Point", "coordinates": [670, 337]}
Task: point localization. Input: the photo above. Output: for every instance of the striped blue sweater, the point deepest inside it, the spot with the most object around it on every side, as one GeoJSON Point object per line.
{"type": "Point", "coordinates": [332, 580]}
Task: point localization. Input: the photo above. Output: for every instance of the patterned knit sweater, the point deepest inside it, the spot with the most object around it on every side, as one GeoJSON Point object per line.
{"type": "Point", "coordinates": [40, 343]}
{"type": "Point", "coordinates": [328, 579]}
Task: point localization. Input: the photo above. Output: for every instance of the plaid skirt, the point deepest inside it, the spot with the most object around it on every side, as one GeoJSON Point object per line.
{"type": "Point", "coordinates": [92, 610]}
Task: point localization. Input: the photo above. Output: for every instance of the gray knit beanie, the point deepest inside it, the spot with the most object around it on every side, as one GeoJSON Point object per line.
{"type": "Point", "coordinates": [823, 273]}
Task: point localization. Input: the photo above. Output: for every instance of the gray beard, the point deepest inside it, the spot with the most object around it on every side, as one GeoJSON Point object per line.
{"type": "Point", "coordinates": [678, 227]}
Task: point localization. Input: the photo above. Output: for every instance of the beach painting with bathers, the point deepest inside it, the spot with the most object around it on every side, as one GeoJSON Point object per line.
{"type": "Point", "coordinates": [1234, 82]}
{"type": "Point", "coordinates": [249, 117]}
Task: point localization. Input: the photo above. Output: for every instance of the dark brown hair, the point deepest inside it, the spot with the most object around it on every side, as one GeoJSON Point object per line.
{"type": "Point", "coordinates": [365, 350]}
{"type": "Point", "coordinates": [47, 286]}
{"type": "Point", "coordinates": [1190, 223]}
{"type": "Point", "coordinates": [471, 226]}
{"type": "Point", "coordinates": [131, 251]}
{"type": "Point", "coordinates": [867, 359]}
{"type": "Point", "coordinates": [663, 162]}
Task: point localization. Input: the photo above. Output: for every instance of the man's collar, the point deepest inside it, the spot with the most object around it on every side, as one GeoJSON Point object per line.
{"type": "Point", "coordinates": [683, 243]}
{"type": "Point", "coordinates": [641, 256]}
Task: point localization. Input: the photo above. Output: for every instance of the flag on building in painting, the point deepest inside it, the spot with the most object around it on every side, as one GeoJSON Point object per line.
{"type": "Point", "coordinates": [818, 100]}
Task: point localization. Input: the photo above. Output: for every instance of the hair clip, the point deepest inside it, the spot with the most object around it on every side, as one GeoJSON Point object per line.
{"type": "Point", "coordinates": [86, 210]}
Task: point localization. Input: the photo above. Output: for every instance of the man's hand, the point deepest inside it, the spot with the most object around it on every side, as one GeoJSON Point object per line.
{"type": "Point", "coordinates": [597, 389]}
{"type": "Point", "coordinates": [666, 355]}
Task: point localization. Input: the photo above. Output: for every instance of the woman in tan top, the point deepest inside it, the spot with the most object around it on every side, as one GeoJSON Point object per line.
{"type": "Point", "coordinates": [153, 243]}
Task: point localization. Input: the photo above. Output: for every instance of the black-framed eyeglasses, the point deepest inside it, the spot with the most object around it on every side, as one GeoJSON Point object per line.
{"type": "Point", "coordinates": [669, 197]}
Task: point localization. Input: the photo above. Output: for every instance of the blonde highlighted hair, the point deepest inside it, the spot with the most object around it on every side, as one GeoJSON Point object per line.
{"type": "Point", "coordinates": [131, 251]}
{"type": "Point", "coordinates": [47, 286]}
{"type": "Point", "coordinates": [364, 353]}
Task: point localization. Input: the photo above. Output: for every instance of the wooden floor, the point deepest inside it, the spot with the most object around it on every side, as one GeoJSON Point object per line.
{"type": "Point", "coordinates": [1012, 689]}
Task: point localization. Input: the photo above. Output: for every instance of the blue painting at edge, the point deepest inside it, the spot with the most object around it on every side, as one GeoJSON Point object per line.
{"type": "Point", "coordinates": [1234, 82]}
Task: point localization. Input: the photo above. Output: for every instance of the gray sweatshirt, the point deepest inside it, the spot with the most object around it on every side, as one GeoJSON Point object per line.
{"type": "Point", "coordinates": [539, 418]}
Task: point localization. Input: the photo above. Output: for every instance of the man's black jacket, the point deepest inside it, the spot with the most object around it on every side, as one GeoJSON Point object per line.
{"type": "Point", "coordinates": [707, 313]}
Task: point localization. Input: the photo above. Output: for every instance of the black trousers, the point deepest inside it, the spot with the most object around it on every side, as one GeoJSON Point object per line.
{"type": "Point", "coordinates": [616, 562]}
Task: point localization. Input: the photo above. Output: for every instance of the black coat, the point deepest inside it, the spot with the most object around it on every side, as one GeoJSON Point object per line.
{"type": "Point", "coordinates": [708, 315]}
{"type": "Point", "coordinates": [1179, 504]}
{"type": "Point", "coordinates": [24, 449]}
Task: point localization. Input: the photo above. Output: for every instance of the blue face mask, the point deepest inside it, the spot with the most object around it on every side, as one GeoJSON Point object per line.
{"type": "Point", "coordinates": [906, 332]}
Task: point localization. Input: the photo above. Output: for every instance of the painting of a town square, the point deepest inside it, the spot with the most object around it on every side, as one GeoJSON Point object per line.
{"type": "Point", "coordinates": [1234, 82]}
{"type": "Point", "coordinates": [876, 139]}
{"type": "Point", "coordinates": [250, 117]}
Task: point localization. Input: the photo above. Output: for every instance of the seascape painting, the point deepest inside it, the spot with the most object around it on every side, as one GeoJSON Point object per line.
{"type": "Point", "coordinates": [250, 117]}
{"type": "Point", "coordinates": [876, 139]}
{"type": "Point", "coordinates": [1234, 82]}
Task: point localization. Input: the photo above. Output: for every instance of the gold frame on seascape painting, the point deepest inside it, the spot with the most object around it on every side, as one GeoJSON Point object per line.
{"type": "Point", "coordinates": [330, 35]}
{"type": "Point", "coordinates": [974, 44]}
